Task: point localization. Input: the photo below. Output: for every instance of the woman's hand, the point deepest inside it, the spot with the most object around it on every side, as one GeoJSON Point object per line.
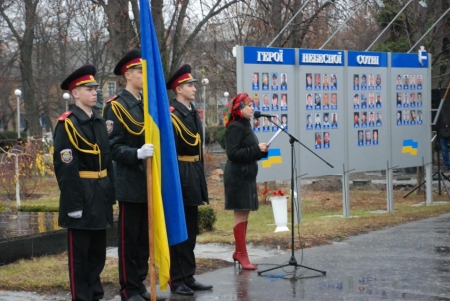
{"type": "Point", "coordinates": [263, 147]}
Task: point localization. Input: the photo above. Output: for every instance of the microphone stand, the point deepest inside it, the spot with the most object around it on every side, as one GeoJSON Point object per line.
{"type": "Point", "coordinates": [293, 260]}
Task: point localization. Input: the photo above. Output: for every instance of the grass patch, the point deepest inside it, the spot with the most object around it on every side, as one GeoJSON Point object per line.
{"type": "Point", "coordinates": [47, 273]}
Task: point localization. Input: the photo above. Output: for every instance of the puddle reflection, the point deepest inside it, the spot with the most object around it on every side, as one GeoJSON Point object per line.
{"type": "Point", "coordinates": [26, 223]}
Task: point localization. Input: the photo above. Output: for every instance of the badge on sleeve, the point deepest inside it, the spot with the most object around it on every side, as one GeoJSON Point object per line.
{"type": "Point", "coordinates": [109, 126]}
{"type": "Point", "coordinates": [66, 155]}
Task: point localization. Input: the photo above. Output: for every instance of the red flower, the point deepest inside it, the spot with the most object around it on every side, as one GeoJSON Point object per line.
{"type": "Point", "coordinates": [275, 192]}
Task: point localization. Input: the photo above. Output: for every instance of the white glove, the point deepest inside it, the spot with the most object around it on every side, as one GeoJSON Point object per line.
{"type": "Point", "coordinates": [75, 214]}
{"type": "Point", "coordinates": [145, 151]}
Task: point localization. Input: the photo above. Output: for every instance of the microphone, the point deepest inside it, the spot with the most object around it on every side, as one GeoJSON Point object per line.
{"type": "Point", "coordinates": [258, 114]}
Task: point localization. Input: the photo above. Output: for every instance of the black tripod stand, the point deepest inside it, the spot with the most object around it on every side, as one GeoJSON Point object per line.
{"type": "Point", "coordinates": [439, 173]}
{"type": "Point", "coordinates": [292, 260]}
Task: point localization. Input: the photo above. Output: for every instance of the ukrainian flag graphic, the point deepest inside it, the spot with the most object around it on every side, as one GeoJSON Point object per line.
{"type": "Point", "coordinates": [274, 157]}
{"type": "Point", "coordinates": [410, 147]}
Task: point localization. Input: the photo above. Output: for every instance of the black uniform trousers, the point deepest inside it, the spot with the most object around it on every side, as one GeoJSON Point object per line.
{"type": "Point", "coordinates": [182, 258]}
{"type": "Point", "coordinates": [133, 248]}
{"type": "Point", "coordinates": [87, 255]}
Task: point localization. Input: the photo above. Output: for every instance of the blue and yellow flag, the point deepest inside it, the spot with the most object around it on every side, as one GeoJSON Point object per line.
{"type": "Point", "coordinates": [168, 211]}
{"type": "Point", "coordinates": [273, 157]}
{"type": "Point", "coordinates": [410, 147]}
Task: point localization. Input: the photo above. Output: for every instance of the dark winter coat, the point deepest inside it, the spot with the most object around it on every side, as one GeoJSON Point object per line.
{"type": "Point", "coordinates": [94, 196]}
{"type": "Point", "coordinates": [130, 172]}
{"type": "Point", "coordinates": [241, 169]}
{"type": "Point", "coordinates": [192, 175]}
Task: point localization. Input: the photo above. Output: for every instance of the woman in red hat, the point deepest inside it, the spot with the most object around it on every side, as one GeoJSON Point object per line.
{"type": "Point", "coordinates": [243, 151]}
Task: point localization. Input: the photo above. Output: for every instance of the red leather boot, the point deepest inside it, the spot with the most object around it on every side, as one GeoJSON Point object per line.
{"type": "Point", "coordinates": [241, 254]}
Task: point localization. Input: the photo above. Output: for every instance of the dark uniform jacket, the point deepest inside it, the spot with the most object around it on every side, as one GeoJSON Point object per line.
{"type": "Point", "coordinates": [126, 136]}
{"type": "Point", "coordinates": [94, 196]}
{"type": "Point", "coordinates": [192, 175]}
{"type": "Point", "coordinates": [241, 169]}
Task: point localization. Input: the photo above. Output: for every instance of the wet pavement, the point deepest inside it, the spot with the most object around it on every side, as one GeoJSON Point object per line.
{"type": "Point", "coordinates": [407, 262]}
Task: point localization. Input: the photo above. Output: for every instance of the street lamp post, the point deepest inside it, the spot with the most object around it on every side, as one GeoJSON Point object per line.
{"type": "Point", "coordinates": [225, 94]}
{"type": "Point", "coordinates": [18, 93]}
{"type": "Point", "coordinates": [205, 82]}
{"type": "Point", "coordinates": [66, 96]}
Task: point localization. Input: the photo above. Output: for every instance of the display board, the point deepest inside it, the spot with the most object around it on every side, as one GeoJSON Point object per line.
{"type": "Point", "coordinates": [411, 131]}
{"type": "Point", "coordinates": [367, 103]}
{"type": "Point", "coordinates": [342, 105]}
{"type": "Point", "coordinates": [269, 76]}
{"type": "Point", "coordinates": [321, 111]}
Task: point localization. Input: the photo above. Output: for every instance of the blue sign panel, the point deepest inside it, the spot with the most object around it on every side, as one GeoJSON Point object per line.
{"type": "Point", "coordinates": [409, 60]}
{"type": "Point", "coordinates": [367, 59]}
{"type": "Point", "coordinates": [273, 56]}
{"type": "Point", "coordinates": [321, 57]}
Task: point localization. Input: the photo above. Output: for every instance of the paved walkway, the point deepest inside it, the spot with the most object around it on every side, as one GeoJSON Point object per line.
{"type": "Point", "coordinates": [407, 262]}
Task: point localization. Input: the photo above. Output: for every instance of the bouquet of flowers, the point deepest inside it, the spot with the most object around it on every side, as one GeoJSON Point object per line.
{"type": "Point", "coordinates": [273, 193]}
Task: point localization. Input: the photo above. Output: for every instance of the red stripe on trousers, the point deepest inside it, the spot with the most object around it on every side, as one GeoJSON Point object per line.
{"type": "Point", "coordinates": [124, 269]}
{"type": "Point", "coordinates": [72, 281]}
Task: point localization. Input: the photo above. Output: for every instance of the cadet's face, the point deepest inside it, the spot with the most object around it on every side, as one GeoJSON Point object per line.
{"type": "Point", "coordinates": [134, 77]}
{"type": "Point", "coordinates": [85, 96]}
{"type": "Point", "coordinates": [186, 91]}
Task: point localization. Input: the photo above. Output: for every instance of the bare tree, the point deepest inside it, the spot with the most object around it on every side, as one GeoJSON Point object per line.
{"type": "Point", "coordinates": [24, 36]}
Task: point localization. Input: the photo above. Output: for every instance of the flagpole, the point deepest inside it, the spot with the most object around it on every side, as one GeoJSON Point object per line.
{"type": "Point", "coordinates": [150, 229]}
